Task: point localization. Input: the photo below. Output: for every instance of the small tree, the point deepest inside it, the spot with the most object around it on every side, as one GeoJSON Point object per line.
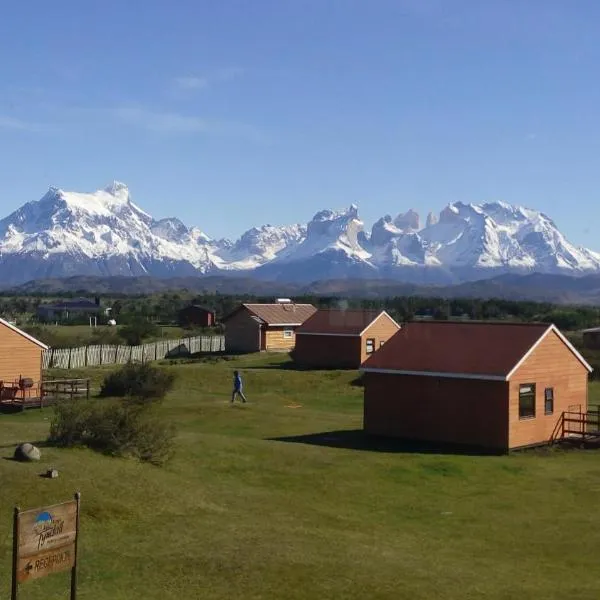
{"type": "Point", "coordinates": [137, 331]}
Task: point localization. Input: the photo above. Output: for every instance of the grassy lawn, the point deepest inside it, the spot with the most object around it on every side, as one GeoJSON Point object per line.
{"type": "Point", "coordinates": [238, 514]}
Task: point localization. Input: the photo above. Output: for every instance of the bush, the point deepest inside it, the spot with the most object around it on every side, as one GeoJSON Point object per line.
{"type": "Point", "coordinates": [140, 382]}
{"type": "Point", "coordinates": [117, 427]}
{"type": "Point", "coordinates": [105, 335]}
{"type": "Point", "coordinates": [137, 331]}
{"type": "Point", "coordinates": [70, 422]}
{"type": "Point", "coordinates": [50, 338]}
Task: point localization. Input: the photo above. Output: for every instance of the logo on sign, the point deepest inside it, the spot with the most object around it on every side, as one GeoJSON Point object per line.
{"type": "Point", "coordinates": [46, 527]}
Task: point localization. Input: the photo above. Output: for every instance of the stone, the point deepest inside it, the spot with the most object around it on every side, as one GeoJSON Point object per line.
{"type": "Point", "coordinates": [52, 473]}
{"type": "Point", "coordinates": [409, 221]}
{"type": "Point", "coordinates": [27, 452]}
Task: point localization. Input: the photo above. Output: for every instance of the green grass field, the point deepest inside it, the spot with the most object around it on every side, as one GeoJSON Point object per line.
{"type": "Point", "coordinates": [237, 514]}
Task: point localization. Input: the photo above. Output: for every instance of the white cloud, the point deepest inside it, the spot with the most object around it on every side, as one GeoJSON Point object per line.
{"type": "Point", "coordinates": [228, 73]}
{"type": "Point", "coordinates": [171, 123]}
{"type": "Point", "coordinates": [19, 125]}
{"type": "Point", "coordinates": [161, 122]}
{"type": "Point", "coordinates": [190, 83]}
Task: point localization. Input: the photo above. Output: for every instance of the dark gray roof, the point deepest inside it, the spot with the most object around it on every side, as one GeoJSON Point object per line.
{"type": "Point", "coordinates": [81, 303]}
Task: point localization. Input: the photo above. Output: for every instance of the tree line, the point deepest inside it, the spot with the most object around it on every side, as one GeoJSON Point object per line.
{"type": "Point", "coordinates": [163, 308]}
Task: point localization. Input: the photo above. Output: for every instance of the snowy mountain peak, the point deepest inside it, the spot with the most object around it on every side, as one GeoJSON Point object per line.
{"type": "Point", "coordinates": [116, 188]}
{"type": "Point", "coordinates": [259, 245]}
{"type": "Point", "coordinates": [330, 231]}
{"type": "Point", "coordinates": [105, 233]}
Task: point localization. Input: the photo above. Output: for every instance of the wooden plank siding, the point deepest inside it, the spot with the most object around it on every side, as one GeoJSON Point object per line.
{"type": "Point", "coordinates": [242, 333]}
{"type": "Point", "coordinates": [380, 330]}
{"type": "Point", "coordinates": [550, 365]}
{"type": "Point", "coordinates": [331, 351]}
{"type": "Point", "coordinates": [328, 351]}
{"type": "Point", "coordinates": [455, 411]}
{"type": "Point", "coordinates": [275, 340]}
{"type": "Point", "coordinates": [19, 357]}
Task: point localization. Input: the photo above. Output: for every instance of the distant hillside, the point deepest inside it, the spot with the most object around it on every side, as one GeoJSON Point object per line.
{"type": "Point", "coordinates": [143, 285]}
{"type": "Point", "coordinates": [559, 289]}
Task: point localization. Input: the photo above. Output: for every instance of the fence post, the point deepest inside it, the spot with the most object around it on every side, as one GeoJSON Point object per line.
{"type": "Point", "coordinates": [85, 360]}
{"type": "Point", "coordinates": [69, 361]}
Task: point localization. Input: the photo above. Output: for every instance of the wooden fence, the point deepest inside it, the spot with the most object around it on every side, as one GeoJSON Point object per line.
{"type": "Point", "coordinates": [93, 356]}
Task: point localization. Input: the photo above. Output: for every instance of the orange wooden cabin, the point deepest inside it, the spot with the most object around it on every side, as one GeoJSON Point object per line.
{"type": "Point", "coordinates": [334, 339]}
{"type": "Point", "coordinates": [20, 363]}
{"type": "Point", "coordinates": [495, 385]}
{"type": "Point", "coordinates": [265, 327]}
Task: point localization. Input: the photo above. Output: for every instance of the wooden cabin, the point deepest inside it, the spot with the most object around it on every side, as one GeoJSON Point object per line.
{"type": "Point", "coordinates": [20, 362]}
{"type": "Point", "coordinates": [342, 339]}
{"type": "Point", "coordinates": [265, 327]}
{"type": "Point", "coordinates": [495, 385]}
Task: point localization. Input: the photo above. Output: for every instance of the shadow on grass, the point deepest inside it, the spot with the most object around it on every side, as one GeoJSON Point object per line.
{"type": "Point", "coordinates": [197, 357]}
{"type": "Point", "coordinates": [292, 366]}
{"type": "Point", "coordinates": [357, 439]}
{"type": "Point", "coordinates": [38, 443]}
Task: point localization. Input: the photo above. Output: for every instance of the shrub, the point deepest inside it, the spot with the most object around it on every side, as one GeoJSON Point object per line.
{"type": "Point", "coordinates": [137, 331]}
{"type": "Point", "coordinates": [70, 423]}
{"type": "Point", "coordinates": [139, 382]}
{"type": "Point", "coordinates": [47, 336]}
{"type": "Point", "coordinates": [115, 427]}
{"type": "Point", "coordinates": [105, 335]}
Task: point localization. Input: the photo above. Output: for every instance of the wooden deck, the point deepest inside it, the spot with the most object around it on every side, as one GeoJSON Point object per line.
{"type": "Point", "coordinates": [581, 428]}
{"type": "Point", "coordinates": [47, 393]}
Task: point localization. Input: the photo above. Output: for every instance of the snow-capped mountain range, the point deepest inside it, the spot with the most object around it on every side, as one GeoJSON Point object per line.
{"type": "Point", "coordinates": [105, 233]}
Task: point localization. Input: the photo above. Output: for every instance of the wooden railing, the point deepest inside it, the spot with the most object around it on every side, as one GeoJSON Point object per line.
{"type": "Point", "coordinates": [577, 425]}
{"type": "Point", "coordinates": [63, 389]}
{"type": "Point", "coordinates": [581, 424]}
{"type": "Point", "coordinates": [43, 394]}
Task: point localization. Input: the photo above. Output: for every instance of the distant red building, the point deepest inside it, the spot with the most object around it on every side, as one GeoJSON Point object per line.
{"type": "Point", "coordinates": [342, 339]}
{"type": "Point", "coordinates": [196, 315]}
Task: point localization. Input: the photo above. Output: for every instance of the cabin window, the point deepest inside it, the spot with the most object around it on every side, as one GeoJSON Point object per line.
{"type": "Point", "coordinates": [370, 346]}
{"type": "Point", "coordinates": [288, 333]}
{"type": "Point", "coordinates": [548, 401]}
{"type": "Point", "coordinates": [527, 401]}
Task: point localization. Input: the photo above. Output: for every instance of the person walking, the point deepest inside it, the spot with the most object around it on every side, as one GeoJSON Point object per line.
{"type": "Point", "coordinates": [237, 387]}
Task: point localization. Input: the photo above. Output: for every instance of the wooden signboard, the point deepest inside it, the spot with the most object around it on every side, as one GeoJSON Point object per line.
{"type": "Point", "coordinates": [44, 542]}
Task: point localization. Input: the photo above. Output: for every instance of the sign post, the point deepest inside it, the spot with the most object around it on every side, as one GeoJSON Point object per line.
{"type": "Point", "coordinates": [45, 541]}
{"type": "Point", "coordinates": [15, 587]}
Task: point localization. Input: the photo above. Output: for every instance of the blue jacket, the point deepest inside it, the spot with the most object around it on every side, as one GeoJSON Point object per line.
{"type": "Point", "coordinates": [237, 382]}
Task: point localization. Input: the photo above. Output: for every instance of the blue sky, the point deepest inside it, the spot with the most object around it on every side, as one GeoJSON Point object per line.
{"type": "Point", "coordinates": [235, 113]}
